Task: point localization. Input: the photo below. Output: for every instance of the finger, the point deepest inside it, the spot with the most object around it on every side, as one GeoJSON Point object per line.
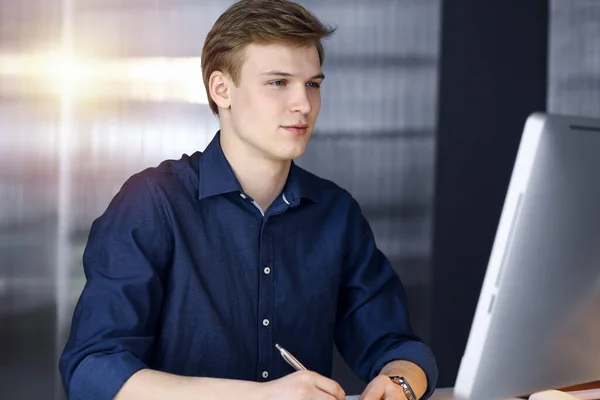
{"type": "Point", "coordinates": [375, 390]}
{"type": "Point", "coordinates": [366, 391]}
{"type": "Point", "coordinates": [394, 396]}
{"type": "Point", "coordinates": [393, 392]}
{"type": "Point", "coordinates": [321, 395]}
{"type": "Point", "coordinates": [330, 387]}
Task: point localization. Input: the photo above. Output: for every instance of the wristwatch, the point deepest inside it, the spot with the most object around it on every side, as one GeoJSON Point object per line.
{"type": "Point", "coordinates": [408, 392]}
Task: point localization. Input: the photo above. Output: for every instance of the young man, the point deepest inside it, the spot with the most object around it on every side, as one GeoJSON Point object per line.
{"type": "Point", "coordinates": [200, 266]}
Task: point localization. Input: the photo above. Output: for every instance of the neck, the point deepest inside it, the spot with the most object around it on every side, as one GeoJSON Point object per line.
{"type": "Point", "coordinates": [261, 178]}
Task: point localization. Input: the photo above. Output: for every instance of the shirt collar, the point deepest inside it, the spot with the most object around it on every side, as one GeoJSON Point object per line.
{"type": "Point", "coordinates": [301, 184]}
{"type": "Point", "coordinates": [215, 174]}
{"type": "Point", "coordinates": [216, 177]}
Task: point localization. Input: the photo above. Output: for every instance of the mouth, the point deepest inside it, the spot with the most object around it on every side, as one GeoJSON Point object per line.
{"type": "Point", "coordinates": [298, 129]}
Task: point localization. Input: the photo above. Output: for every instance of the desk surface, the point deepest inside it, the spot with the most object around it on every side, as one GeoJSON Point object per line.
{"type": "Point", "coordinates": [583, 393]}
{"type": "Point", "coordinates": [443, 394]}
{"type": "Point", "coordinates": [440, 394]}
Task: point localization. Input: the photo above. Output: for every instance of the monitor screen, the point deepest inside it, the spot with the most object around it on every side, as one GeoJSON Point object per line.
{"type": "Point", "coordinates": [537, 321]}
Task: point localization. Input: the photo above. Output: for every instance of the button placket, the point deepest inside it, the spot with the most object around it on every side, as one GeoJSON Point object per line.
{"type": "Point", "coordinates": [265, 303]}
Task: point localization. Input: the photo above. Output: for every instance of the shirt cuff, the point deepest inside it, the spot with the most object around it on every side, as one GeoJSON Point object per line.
{"type": "Point", "coordinates": [101, 376]}
{"type": "Point", "coordinates": [415, 352]}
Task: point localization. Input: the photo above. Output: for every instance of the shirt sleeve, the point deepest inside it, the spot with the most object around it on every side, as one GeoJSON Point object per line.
{"type": "Point", "coordinates": [373, 326]}
{"type": "Point", "coordinates": [125, 259]}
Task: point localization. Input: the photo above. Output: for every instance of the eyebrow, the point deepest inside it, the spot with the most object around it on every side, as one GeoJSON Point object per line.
{"type": "Point", "coordinates": [287, 74]}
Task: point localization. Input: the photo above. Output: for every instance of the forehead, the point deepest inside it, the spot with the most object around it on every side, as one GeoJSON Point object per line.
{"type": "Point", "coordinates": [301, 61]}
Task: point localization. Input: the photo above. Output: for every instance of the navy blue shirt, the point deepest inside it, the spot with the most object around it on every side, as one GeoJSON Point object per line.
{"type": "Point", "coordinates": [186, 275]}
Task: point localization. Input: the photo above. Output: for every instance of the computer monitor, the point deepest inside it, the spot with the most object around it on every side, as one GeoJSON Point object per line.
{"type": "Point", "coordinates": [537, 322]}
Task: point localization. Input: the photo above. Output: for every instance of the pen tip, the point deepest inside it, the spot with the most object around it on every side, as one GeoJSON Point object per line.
{"type": "Point", "coordinates": [277, 346]}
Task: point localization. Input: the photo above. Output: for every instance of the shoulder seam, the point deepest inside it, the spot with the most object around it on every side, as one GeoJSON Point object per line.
{"type": "Point", "coordinates": [152, 188]}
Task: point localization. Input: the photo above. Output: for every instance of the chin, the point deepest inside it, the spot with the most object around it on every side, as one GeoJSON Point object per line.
{"type": "Point", "coordinates": [290, 154]}
{"type": "Point", "coordinates": [287, 149]}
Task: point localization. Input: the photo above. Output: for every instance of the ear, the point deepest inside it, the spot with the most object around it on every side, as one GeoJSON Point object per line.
{"type": "Point", "coordinates": [218, 85]}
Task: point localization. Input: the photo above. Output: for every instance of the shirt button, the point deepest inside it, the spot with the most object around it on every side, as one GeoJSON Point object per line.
{"type": "Point", "coordinates": [265, 374]}
{"type": "Point", "coordinates": [265, 322]}
{"type": "Point", "coordinates": [243, 196]}
{"type": "Point", "coordinates": [267, 270]}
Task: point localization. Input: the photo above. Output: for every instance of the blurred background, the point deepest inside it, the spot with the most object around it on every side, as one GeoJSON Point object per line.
{"type": "Point", "coordinates": [93, 91]}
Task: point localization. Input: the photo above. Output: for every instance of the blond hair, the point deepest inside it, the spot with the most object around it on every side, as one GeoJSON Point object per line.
{"type": "Point", "coordinates": [257, 22]}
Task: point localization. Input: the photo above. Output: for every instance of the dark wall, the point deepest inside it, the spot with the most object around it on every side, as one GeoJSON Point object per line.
{"type": "Point", "coordinates": [493, 74]}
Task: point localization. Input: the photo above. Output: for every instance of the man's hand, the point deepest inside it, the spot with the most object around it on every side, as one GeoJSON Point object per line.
{"type": "Point", "coordinates": [154, 385]}
{"type": "Point", "coordinates": [382, 388]}
{"type": "Point", "coordinates": [303, 385]}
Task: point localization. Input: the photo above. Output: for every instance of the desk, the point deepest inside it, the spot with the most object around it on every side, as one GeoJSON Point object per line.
{"type": "Point", "coordinates": [446, 394]}
{"type": "Point", "coordinates": [443, 394]}
{"type": "Point", "coordinates": [440, 394]}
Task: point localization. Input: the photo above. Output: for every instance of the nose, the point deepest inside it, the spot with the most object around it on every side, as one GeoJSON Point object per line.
{"type": "Point", "coordinates": [301, 101]}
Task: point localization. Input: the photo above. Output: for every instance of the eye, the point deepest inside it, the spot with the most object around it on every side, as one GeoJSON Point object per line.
{"type": "Point", "coordinates": [279, 82]}
{"type": "Point", "coordinates": [315, 85]}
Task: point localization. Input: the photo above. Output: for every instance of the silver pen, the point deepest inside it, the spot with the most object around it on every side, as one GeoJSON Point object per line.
{"type": "Point", "coordinates": [290, 359]}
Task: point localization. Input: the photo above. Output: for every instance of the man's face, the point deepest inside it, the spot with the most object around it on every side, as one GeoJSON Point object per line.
{"type": "Point", "coordinates": [277, 100]}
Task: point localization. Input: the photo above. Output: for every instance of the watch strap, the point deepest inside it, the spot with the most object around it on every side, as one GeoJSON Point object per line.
{"type": "Point", "coordinates": [408, 392]}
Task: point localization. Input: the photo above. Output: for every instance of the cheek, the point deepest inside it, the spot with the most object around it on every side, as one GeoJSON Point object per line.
{"type": "Point", "coordinates": [275, 97]}
{"type": "Point", "coordinates": [263, 107]}
{"type": "Point", "coordinates": [273, 103]}
{"type": "Point", "coordinates": [250, 106]}
{"type": "Point", "coordinates": [245, 98]}
{"type": "Point", "coordinates": [315, 101]}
